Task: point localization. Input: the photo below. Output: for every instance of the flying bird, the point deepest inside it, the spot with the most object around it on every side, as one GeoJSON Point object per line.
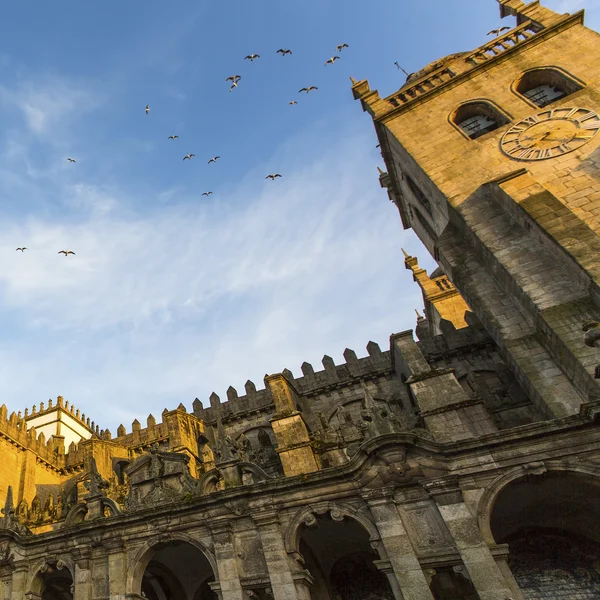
{"type": "Point", "coordinates": [234, 78]}
{"type": "Point", "coordinates": [22, 249]}
{"type": "Point", "coordinates": [71, 160]}
{"type": "Point", "coordinates": [498, 31]}
{"type": "Point", "coordinates": [173, 137]}
{"type": "Point", "coordinates": [252, 57]}
{"type": "Point", "coordinates": [272, 177]}
{"type": "Point", "coordinates": [341, 47]}
{"type": "Point", "coordinates": [147, 108]}
{"type": "Point", "coordinates": [188, 156]}
{"type": "Point", "coordinates": [65, 252]}
{"type": "Point", "coordinates": [283, 51]}
{"type": "Point", "coordinates": [233, 85]}
{"type": "Point", "coordinates": [308, 89]}
{"type": "Point", "coordinates": [332, 60]}
{"type": "Point", "coordinates": [292, 102]}
{"type": "Point", "coordinates": [206, 193]}
{"type": "Point", "coordinates": [213, 159]}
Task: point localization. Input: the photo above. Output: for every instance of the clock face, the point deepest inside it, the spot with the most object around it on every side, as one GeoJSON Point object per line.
{"type": "Point", "coordinates": [550, 133]}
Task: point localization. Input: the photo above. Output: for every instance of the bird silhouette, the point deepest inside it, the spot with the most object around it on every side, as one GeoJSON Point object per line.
{"type": "Point", "coordinates": [71, 160]}
{"type": "Point", "coordinates": [65, 252]}
{"type": "Point", "coordinates": [188, 156]}
{"type": "Point", "coordinates": [233, 85]}
{"type": "Point", "coordinates": [308, 89]}
{"type": "Point", "coordinates": [206, 193]}
{"type": "Point", "coordinates": [213, 159]}
{"type": "Point", "coordinates": [147, 108]}
{"type": "Point", "coordinates": [272, 177]}
{"type": "Point", "coordinates": [234, 78]}
{"type": "Point", "coordinates": [173, 137]}
{"type": "Point", "coordinates": [252, 57]}
{"type": "Point", "coordinates": [292, 102]}
{"type": "Point", "coordinates": [22, 249]}
{"type": "Point", "coordinates": [341, 47]}
{"type": "Point", "coordinates": [498, 31]}
{"type": "Point", "coordinates": [283, 51]}
{"type": "Point", "coordinates": [332, 60]}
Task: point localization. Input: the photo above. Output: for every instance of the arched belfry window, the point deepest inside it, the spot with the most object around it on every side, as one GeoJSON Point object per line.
{"type": "Point", "coordinates": [545, 85]}
{"type": "Point", "coordinates": [477, 118]}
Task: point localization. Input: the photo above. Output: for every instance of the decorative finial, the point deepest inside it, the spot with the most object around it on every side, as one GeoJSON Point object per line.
{"type": "Point", "coordinates": [419, 315]}
{"type": "Point", "coordinates": [405, 253]}
{"type": "Point", "coordinates": [354, 82]}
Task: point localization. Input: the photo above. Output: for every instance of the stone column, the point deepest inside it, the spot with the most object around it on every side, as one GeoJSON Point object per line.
{"type": "Point", "coordinates": [117, 568]}
{"type": "Point", "coordinates": [396, 543]}
{"type": "Point", "coordinates": [276, 557]}
{"type": "Point", "coordinates": [475, 553]}
{"type": "Point", "coordinates": [19, 581]}
{"type": "Point", "coordinates": [83, 578]}
{"type": "Point", "coordinates": [229, 578]}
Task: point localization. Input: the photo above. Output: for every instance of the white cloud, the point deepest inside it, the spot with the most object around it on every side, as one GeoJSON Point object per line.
{"type": "Point", "coordinates": [47, 103]}
{"type": "Point", "coordinates": [155, 309]}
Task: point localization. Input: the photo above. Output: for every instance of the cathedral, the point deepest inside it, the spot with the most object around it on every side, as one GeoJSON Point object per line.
{"type": "Point", "coordinates": [462, 462]}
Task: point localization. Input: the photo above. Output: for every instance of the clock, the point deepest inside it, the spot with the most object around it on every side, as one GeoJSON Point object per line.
{"type": "Point", "coordinates": [550, 133]}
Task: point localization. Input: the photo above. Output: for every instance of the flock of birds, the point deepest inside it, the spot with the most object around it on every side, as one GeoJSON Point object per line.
{"type": "Point", "coordinates": [235, 79]}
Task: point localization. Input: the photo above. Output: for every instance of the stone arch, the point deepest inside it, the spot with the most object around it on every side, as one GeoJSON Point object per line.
{"type": "Point", "coordinates": [549, 76]}
{"type": "Point", "coordinates": [491, 493]}
{"type": "Point", "coordinates": [207, 482]}
{"type": "Point", "coordinates": [76, 514]}
{"type": "Point", "coordinates": [492, 117]}
{"type": "Point", "coordinates": [35, 585]}
{"type": "Point", "coordinates": [142, 557]}
{"type": "Point", "coordinates": [306, 516]}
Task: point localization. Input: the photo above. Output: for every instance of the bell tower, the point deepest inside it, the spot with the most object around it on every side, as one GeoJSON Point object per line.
{"type": "Point", "coordinates": [493, 159]}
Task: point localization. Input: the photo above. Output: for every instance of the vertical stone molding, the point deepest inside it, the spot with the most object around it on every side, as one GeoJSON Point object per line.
{"type": "Point", "coordinates": [410, 578]}
{"type": "Point", "coordinates": [19, 581]}
{"type": "Point", "coordinates": [481, 566]}
{"type": "Point", "coordinates": [276, 557]}
{"type": "Point", "coordinates": [83, 576]}
{"type": "Point", "coordinates": [117, 568]}
{"type": "Point", "coordinates": [228, 574]}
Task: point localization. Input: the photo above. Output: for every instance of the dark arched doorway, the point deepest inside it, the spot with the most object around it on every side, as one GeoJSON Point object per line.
{"type": "Point", "coordinates": [551, 523]}
{"type": "Point", "coordinates": [53, 582]}
{"type": "Point", "coordinates": [177, 571]}
{"type": "Point", "coordinates": [339, 557]}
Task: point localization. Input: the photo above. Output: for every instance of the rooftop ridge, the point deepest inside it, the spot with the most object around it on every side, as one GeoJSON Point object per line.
{"type": "Point", "coordinates": [66, 407]}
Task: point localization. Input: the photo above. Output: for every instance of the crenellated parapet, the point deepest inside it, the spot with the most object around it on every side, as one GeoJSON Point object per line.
{"type": "Point", "coordinates": [13, 428]}
{"type": "Point", "coordinates": [311, 384]}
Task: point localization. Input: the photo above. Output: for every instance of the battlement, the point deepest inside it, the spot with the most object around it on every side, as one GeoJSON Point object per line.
{"type": "Point", "coordinates": [311, 383]}
{"type": "Point", "coordinates": [14, 429]}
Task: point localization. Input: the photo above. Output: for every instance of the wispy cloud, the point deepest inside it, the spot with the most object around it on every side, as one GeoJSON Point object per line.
{"type": "Point", "coordinates": [159, 307]}
{"type": "Point", "coordinates": [49, 102]}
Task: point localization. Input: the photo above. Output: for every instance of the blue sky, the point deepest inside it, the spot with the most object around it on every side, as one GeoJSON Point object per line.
{"type": "Point", "coordinates": [172, 295]}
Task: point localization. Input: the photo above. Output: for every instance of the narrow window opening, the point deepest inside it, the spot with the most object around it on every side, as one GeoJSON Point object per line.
{"type": "Point", "coordinates": [418, 194]}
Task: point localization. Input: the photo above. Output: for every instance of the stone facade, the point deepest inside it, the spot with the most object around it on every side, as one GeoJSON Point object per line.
{"type": "Point", "coordinates": [462, 465]}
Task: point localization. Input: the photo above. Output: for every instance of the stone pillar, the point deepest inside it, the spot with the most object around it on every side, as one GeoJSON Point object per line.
{"type": "Point", "coordinates": [117, 568]}
{"type": "Point", "coordinates": [19, 581]}
{"type": "Point", "coordinates": [276, 557]}
{"type": "Point", "coordinates": [475, 553]}
{"type": "Point", "coordinates": [83, 576]}
{"type": "Point", "coordinates": [229, 578]}
{"type": "Point", "coordinates": [293, 440]}
{"type": "Point", "coordinates": [385, 566]}
{"type": "Point", "coordinates": [396, 542]}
